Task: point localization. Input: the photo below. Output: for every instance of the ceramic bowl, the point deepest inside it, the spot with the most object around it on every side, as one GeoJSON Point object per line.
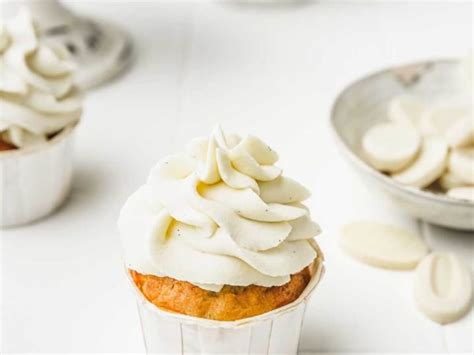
{"type": "Point", "coordinates": [364, 103]}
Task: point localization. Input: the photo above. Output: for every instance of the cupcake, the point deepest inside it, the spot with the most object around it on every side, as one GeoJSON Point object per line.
{"type": "Point", "coordinates": [219, 250]}
{"type": "Point", "coordinates": [40, 107]}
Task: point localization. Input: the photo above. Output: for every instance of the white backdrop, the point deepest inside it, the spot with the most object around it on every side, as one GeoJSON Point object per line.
{"type": "Point", "coordinates": [271, 70]}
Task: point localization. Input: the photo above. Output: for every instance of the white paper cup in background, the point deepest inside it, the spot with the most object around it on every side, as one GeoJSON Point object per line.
{"type": "Point", "coordinates": [274, 332]}
{"type": "Point", "coordinates": [35, 181]}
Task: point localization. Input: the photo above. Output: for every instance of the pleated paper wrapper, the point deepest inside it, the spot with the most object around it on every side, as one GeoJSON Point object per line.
{"type": "Point", "coordinates": [35, 181]}
{"type": "Point", "coordinates": [276, 332]}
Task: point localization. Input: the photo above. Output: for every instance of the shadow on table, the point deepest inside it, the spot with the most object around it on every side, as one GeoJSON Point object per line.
{"type": "Point", "coordinates": [90, 182]}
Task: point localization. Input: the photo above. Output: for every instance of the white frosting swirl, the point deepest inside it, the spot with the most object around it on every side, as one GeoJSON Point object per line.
{"type": "Point", "coordinates": [37, 95]}
{"type": "Point", "coordinates": [221, 213]}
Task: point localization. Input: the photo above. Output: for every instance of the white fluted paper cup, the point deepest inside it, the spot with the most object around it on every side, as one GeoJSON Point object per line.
{"type": "Point", "coordinates": [35, 181]}
{"type": "Point", "coordinates": [275, 332]}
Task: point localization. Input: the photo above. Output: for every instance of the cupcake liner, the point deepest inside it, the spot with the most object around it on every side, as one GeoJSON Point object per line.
{"type": "Point", "coordinates": [277, 331]}
{"type": "Point", "coordinates": [35, 181]}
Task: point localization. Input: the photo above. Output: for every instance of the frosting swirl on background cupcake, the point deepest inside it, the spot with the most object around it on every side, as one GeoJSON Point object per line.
{"type": "Point", "coordinates": [37, 94]}
{"type": "Point", "coordinates": [220, 214]}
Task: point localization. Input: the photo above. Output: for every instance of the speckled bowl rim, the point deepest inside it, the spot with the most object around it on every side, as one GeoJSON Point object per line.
{"type": "Point", "coordinates": [59, 137]}
{"type": "Point", "coordinates": [348, 152]}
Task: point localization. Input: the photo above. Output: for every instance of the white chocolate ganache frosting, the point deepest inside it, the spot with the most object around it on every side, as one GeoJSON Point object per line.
{"type": "Point", "coordinates": [220, 214]}
{"type": "Point", "coordinates": [37, 94]}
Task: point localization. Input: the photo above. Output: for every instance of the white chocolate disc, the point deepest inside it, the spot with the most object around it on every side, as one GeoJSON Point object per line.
{"type": "Point", "coordinates": [461, 133]}
{"type": "Point", "coordinates": [443, 287]}
{"type": "Point", "coordinates": [462, 193]}
{"type": "Point", "coordinates": [436, 121]}
{"type": "Point", "coordinates": [449, 181]}
{"type": "Point", "coordinates": [461, 164]}
{"type": "Point", "coordinates": [382, 245]}
{"type": "Point", "coordinates": [391, 146]}
{"type": "Point", "coordinates": [427, 167]}
{"type": "Point", "coordinates": [405, 109]}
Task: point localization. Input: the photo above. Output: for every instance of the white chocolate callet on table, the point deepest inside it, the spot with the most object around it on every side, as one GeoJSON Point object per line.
{"type": "Point", "coordinates": [391, 146]}
{"type": "Point", "coordinates": [461, 133]}
{"type": "Point", "coordinates": [449, 181]}
{"type": "Point", "coordinates": [462, 193]}
{"type": "Point", "coordinates": [443, 287]}
{"type": "Point", "coordinates": [438, 120]}
{"type": "Point", "coordinates": [405, 109]}
{"type": "Point", "coordinates": [461, 164]}
{"type": "Point", "coordinates": [382, 245]}
{"type": "Point", "coordinates": [427, 167]}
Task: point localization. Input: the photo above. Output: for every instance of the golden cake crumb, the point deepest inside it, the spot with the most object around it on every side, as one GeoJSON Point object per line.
{"type": "Point", "coordinates": [231, 303]}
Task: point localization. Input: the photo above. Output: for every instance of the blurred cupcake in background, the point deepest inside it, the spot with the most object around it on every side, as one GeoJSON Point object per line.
{"type": "Point", "coordinates": [220, 251]}
{"type": "Point", "coordinates": [39, 109]}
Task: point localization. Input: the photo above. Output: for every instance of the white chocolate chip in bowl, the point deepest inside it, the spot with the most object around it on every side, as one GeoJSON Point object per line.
{"type": "Point", "coordinates": [462, 193]}
{"type": "Point", "coordinates": [391, 146]}
{"type": "Point", "coordinates": [438, 120]}
{"type": "Point", "coordinates": [428, 166]}
{"type": "Point", "coordinates": [461, 164]}
{"type": "Point", "coordinates": [443, 287]}
{"type": "Point", "coordinates": [461, 133]}
{"type": "Point", "coordinates": [382, 245]}
{"type": "Point", "coordinates": [448, 181]}
{"type": "Point", "coordinates": [405, 109]}
{"type": "Point", "coordinates": [369, 100]}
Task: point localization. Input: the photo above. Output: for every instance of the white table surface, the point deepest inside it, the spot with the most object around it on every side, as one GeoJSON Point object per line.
{"type": "Point", "coordinates": [270, 70]}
